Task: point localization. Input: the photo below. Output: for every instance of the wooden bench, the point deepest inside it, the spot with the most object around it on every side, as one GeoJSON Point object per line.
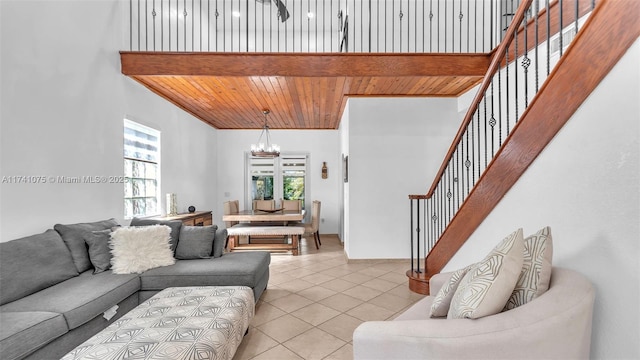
{"type": "Point", "coordinates": [236, 231]}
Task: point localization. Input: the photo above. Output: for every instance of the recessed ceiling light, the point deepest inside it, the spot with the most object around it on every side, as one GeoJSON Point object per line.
{"type": "Point", "coordinates": [236, 13]}
{"type": "Point", "coordinates": [310, 15]}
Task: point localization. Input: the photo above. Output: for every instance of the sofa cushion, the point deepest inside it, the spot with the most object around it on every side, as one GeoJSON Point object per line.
{"type": "Point", "coordinates": [246, 268]}
{"type": "Point", "coordinates": [33, 263]}
{"type": "Point", "coordinates": [536, 269]}
{"type": "Point", "coordinates": [175, 226]}
{"type": "Point", "coordinates": [99, 251]}
{"type": "Point", "coordinates": [442, 300]}
{"type": "Point", "coordinates": [73, 236]}
{"type": "Point", "coordinates": [137, 249]}
{"type": "Point", "coordinates": [485, 289]}
{"type": "Point", "coordinates": [23, 332]}
{"type": "Point", "coordinates": [219, 242]}
{"type": "Point", "coordinates": [81, 298]}
{"type": "Point", "coordinates": [196, 242]}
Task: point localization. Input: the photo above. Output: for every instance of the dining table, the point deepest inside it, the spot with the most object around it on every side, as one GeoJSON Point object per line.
{"type": "Point", "coordinates": [265, 230]}
{"type": "Point", "coordinates": [277, 215]}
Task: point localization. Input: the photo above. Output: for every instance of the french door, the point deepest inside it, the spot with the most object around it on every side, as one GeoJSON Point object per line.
{"type": "Point", "coordinates": [283, 177]}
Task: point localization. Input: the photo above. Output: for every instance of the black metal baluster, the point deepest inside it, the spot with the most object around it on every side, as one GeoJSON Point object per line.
{"type": "Point", "coordinates": [467, 162]}
{"type": "Point", "coordinates": [139, 20]}
{"type": "Point", "coordinates": [415, 26]}
{"type": "Point", "coordinates": [146, 26]}
{"type": "Point", "coordinates": [548, 37]}
{"type": "Point", "coordinates": [324, 26]}
{"type": "Point", "coordinates": [515, 77]}
{"type": "Point", "coordinates": [475, 36]}
{"type": "Point", "coordinates": [525, 64]}
{"type": "Point", "coordinates": [479, 145]}
{"type": "Point", "coordinates": [537, 43]}
{"type": "Point", "coordinates": [484, 126]}
{"type": "Point", "coordinates": [423, 26]}
{"type": "Point", "coordinates": [560, 26]}
{"type": "Point", "coordinates": [492, 121]}
{"type": "Point", "coordinates": [461, 17]}
{"type": "Point", "coordinates": [500, 107]}
{"type": "Point", "coordinates": [577, 9]}
{"type": "Point", "coordinates": [445, 26]}
{"type": "Point", "coordinates": [431, 26]}
{"type": "Point", "coordinates": [506, 68]}
{"type": "Point", "coordinates": [411, 227]}
{"type": "Point", "coordinates": [177, 26]}
{"type": "Point", "coordinates": [393, 26]}
{"type": "Point", "coordinates": [438, 26]}
{"type": "Point", "coordinates": [192, 26]}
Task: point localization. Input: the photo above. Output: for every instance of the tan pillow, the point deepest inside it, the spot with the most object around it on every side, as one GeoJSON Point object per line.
{"type": "Point", "coordinates": [536, 269]}
{"type": "Point", "coordinates": [442, 301]}
{"type": "Point", "coordinates": [485, 289]}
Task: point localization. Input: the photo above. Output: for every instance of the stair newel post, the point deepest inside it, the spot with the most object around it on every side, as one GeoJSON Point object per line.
{"type": "Point", "coordinates": [417, 280]}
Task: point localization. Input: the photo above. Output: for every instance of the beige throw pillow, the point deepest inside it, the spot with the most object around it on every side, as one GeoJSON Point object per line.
{"type": "Point", "coordinates": [485, 289]}
{"type": "Point", "coordinates": [442, 301]}
{"type": "Point", "coordinates": [536, 269]}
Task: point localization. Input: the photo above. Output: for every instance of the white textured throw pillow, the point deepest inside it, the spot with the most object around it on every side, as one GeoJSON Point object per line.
{"type": "Point", "coordinates": [485, 289]}
{"type": "Point", "coordinates": [536, 269]}
{"type": "Point", "coordinates": [442, 301]}
{"type": "Point", "coordinates": [137, 249]}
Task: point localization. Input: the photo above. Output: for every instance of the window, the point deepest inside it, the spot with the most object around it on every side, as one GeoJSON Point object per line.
{"type": "Point", "coordinates": [141, 170]}
{"type": "Point", "coordinates": [290, 184]}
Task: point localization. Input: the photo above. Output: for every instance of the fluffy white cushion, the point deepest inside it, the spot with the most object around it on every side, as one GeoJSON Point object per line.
{"type": "Point", "coordinates": [536, 269]}
{"type": "Point", "coordinates": [442, 301]}
{"type": "Point", "coordinates": [137, 249]}
{"type": "Point", "coordinates": [485, 289]}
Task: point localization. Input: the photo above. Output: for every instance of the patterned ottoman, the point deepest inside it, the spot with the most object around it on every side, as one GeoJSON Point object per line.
{"type": "Point", "coordinates": [206, 322]}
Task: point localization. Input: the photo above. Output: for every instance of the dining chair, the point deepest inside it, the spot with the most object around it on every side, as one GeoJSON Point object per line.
{"type": "Point", "coordinates": [291, 204]}
{"type": "Point", "coordinates": [314, 225]}
{"type": "Point", "coordinates": [230, 207]}
{"type": "Point", "coordinates": [264, 204]}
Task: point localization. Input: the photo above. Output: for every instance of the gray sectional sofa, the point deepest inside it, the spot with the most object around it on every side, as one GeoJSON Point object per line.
{"type": "Point", "coordinates": [51, 300]}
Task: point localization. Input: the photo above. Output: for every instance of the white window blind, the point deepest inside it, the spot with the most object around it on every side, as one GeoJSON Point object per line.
{"type": "Point", "coordinates": [141, 170]}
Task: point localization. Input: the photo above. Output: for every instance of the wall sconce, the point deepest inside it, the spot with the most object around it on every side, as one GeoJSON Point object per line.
{"type": "Point", "coordinates": [325, 171]}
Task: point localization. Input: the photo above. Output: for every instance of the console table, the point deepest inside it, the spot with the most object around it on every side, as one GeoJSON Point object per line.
{"type": "Point", "coordinates": [197, 218]}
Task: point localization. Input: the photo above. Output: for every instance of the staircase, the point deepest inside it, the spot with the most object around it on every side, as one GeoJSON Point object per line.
{"type": "Point", "coordinates": [520, 106]}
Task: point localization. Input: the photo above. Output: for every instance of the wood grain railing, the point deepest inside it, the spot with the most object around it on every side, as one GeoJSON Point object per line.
{"type": "Point", "coordinates": [459, 201]}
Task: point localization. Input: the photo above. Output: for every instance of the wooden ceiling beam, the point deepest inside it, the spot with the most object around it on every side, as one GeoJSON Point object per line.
{"type": "Point", "coordinates": [304, 65]}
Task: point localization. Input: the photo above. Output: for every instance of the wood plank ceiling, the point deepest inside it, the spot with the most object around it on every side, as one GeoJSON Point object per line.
{"type": "Point", "coordinates": [302, 91]}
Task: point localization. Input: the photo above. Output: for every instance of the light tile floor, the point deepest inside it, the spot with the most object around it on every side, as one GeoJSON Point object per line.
{"type": "Point", "coordinates": [315, 300]}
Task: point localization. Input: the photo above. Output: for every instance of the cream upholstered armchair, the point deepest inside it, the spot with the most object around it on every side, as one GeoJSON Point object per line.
{"type": "Point", "coordinates": [556, 325]}
{"type": "Point", "coordinates": [314, 225]}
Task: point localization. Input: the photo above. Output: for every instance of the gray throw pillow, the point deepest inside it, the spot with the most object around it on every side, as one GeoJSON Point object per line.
{"type": "Point", "coordinates": [72, 235]}
{"type": "Point", "coordinates": [219, 242]}
{"type": "Point", "coordinates": [196, 242]}
{"type": "Point", "coordinates": [99, 251]}
{"type": "Point", "coordinates": [175, 226]}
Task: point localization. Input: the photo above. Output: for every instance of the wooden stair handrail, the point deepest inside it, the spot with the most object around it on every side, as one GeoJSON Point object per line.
{"type": "Point", "coordinates": [486, 81]}
{"type": "Point", "coordinates": [605, 37]}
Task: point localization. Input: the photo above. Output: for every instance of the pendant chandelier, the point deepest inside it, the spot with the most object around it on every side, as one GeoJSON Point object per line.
{"type": "Point", "coordinates": [262, 149]}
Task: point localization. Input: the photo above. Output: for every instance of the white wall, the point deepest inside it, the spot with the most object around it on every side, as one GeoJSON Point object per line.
{"type": "Point", "coordinates": [62, 103]}
{"type": "Point", "coordinates": [396, 146]}
{"type": "Point", "coordinates": [586, 186]}
{"type": "Point", "coordinates": [344, 205]}
{"type": "Point", "coordinates": [322, 145]}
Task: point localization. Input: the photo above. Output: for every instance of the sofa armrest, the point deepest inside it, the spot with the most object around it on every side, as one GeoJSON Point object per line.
{"type": "Point", "coordinates": [437, 281]}
{"type": "Point", "coordinates": [556, 325]}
